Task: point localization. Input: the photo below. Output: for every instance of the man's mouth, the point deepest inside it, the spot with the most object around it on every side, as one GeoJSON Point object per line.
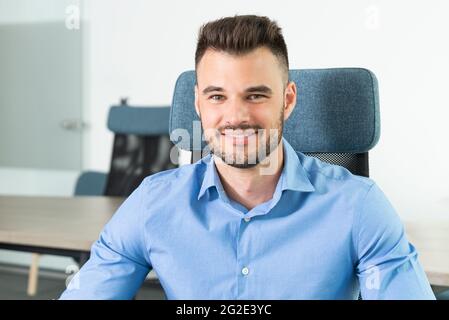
{"type": "Point", "coordinates": [239, 133]}
{"type": "Point", "coordinates": [239, 136]}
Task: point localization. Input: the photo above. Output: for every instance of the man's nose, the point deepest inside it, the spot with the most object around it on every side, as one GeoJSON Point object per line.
{"type": "Point", "coordinates": [236, 112]}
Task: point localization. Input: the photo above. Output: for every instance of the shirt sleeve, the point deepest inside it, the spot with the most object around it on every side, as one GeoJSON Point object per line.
{"type": "Point", "coordinates": [118, 262]}
{"type": "Point", "coordinates": [388, 266]}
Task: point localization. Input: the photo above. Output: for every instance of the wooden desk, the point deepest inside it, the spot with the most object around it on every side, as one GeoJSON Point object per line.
{"type": "Point", "coordinates": [69, 226]}
{"type": "Point", "coordinates": [54, 225]}
{"type": "Point", "coordinates": [430, 236]}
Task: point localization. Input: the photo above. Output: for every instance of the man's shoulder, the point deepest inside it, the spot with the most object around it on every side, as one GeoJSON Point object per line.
{"type": "Point", "coordinates": [317, 169]}
{"type": "Point", "coordinates": [174, 177]}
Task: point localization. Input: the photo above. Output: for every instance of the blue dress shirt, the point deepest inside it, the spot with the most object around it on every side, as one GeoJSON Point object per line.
{"type": "Point", "coordinates": [325, 234]}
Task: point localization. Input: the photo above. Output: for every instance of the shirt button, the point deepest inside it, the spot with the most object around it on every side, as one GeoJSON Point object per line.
{"type": "Point", "coordinates": [245, 271]}
{"type": "Point", "coordinates": [247, 219]}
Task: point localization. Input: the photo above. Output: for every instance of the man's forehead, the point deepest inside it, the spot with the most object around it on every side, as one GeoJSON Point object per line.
{"type": "Point", "coordinates": [260, 58]}
{"type": "Point", "coordinates": [260, 52]}
{"type": "Point", "coordinates": [258, 67]}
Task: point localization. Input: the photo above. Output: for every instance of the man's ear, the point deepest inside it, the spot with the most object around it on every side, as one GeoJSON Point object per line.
{"type": "Point", "coordinates": [197, 107]}
{"type": "Point", "coordinates": [289, 99]}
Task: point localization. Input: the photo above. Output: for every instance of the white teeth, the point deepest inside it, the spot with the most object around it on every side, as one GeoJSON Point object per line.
{"type": "Point", "coordinates": [239, 133]}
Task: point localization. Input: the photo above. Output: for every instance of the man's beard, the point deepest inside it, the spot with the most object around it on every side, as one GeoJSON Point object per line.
{"type": "Point", "coordinates": [239, 157]}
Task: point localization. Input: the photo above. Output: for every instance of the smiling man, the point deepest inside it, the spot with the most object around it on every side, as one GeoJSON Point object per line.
{"type": "Point", "coordinates": [254, 219]}
{"type": "Point", "coordinates": [243, 98]}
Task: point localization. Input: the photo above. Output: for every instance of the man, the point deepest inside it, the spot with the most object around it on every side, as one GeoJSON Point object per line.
{"type": "Point", "coordinates": [254, 219]}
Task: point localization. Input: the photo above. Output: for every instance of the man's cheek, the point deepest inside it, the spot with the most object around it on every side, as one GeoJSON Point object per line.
{"type": "Point", "coordinates": [210, 134]}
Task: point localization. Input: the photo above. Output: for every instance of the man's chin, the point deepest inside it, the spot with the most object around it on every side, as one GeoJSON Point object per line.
{"type": "Point", "coordinates": [238, 162]}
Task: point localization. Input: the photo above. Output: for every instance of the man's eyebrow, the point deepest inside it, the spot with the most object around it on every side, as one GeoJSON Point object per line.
{"type": "Point", "coordinates": [212, 88]}
{"type": "Point", "coordinates": [261, 88]}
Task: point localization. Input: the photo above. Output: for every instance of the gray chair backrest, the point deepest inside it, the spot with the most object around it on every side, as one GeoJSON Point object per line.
{"type": "Point", "coordinates": [336, 117]}
{"type": "Point", "coordinates": [141, 146]}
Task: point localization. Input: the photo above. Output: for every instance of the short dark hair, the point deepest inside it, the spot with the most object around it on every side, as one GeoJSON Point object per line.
{"type": "Point", "coordinates": [241, 34]}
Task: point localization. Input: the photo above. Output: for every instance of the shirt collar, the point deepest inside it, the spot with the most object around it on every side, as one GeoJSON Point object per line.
{"type": "Point", "coordinates": [211, 178]}
{"type": "Point", "coordinates": [293, 176]}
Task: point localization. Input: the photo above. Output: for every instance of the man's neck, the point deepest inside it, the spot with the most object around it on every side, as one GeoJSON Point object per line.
{"type": "Point", "coordinates": [250, 186]}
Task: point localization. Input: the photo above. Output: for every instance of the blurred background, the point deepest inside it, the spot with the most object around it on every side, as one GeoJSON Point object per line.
{"type": "Point", "coordinates": [64, 63]}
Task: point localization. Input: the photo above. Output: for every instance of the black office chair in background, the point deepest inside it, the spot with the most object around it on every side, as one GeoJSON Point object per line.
{"type": "Point", "coordinates": [141, 147]}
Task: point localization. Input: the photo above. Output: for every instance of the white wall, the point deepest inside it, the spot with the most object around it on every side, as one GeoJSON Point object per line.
{"type": "Point", "coordinates": [26, 181]}
{"type": "Point", "coordinates": [28, 11]}
{"type": "Point", "coordinates": [137, 48]}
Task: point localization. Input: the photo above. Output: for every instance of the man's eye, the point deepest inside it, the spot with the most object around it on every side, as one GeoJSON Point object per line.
{"type": "Point", "coordinates": [216, 97]}
{"type": "Point", "coordinates": [256, 96]}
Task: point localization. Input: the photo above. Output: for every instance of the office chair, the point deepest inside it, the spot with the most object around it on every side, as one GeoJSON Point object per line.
{"type": "Point", "coordinates": [141, 147]}
{"type": "Point", "coordinates": [336, 118]}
